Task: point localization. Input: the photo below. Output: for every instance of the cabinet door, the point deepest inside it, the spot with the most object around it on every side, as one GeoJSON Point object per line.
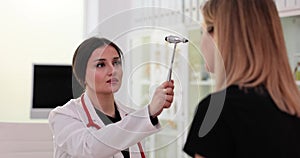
{"type": "Point", "coordinates": [150, 59]}
{"type": "Point", "coordinates": [279, 4]}
{"type": "Point", "coordinates": [290, 4]}
{"type": "Point", "coordinates": [288, 7]}
{"type": "Point", "coordinates": [291, 28]}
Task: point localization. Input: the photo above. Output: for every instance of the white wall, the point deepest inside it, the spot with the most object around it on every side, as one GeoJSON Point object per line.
{"type": "Point", "coordinates": [33, 31]}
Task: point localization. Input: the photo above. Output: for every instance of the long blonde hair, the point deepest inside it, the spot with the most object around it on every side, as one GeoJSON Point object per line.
{"type": "Point", "coordinates": [250, 39]}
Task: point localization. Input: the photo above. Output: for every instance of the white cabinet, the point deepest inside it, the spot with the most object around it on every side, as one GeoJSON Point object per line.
{"type": "Point", "coordinates": [149, 59]}
{"type": "Point", "coordinates": [291, 30]}
{"type": "Point", "coordinates": [288, 7]}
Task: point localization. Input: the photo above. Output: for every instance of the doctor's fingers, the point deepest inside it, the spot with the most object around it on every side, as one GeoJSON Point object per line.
{"type": "Point", "coordinates": [168, 101]}
{"type": "Point", "coordinates": [168, 84]}
{"type": "Point", "coordinates": [170, 98]}
{"type": "Point", "coordinates": [168, 91]}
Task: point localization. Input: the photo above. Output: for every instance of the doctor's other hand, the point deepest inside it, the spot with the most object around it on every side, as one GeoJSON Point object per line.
{"type": "Point", "coordinates": [162, 98]}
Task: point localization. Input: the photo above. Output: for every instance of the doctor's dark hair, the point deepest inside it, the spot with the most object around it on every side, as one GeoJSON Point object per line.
{"type": "Point", "coordinates": [83, 53]}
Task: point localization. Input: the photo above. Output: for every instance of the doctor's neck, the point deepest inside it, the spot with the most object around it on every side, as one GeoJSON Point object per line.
{"type": "Point", "coordinates": [103, 102]}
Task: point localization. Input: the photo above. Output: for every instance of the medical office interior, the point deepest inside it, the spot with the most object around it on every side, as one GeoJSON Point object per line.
{"type": "Point", "coordinates": [46, 33]}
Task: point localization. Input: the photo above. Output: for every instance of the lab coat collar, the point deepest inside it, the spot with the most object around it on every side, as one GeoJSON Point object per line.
{"type": "Point", "coordinates": [123, 110]}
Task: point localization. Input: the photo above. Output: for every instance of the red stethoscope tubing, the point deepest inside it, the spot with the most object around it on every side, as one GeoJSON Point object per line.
{"type": "Point", "coordinates": [91, 123]}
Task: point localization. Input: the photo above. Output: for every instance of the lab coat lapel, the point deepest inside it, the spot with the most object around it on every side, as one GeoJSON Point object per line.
{"type": "Point", "coordinates": [92, 112]}
{"type": "Point", "coordinates": [123, 110]}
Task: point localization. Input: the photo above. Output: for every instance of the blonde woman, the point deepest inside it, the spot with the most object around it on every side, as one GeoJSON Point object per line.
{"type": "Point", "coordinates": [261, 108]}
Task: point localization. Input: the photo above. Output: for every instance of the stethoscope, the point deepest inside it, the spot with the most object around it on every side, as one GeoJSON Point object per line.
{"type": "Point", "coordinates": [91, 123]}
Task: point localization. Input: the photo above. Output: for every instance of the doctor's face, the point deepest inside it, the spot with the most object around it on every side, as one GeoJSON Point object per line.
{"type": "Point", "coordinates": [104, 70]}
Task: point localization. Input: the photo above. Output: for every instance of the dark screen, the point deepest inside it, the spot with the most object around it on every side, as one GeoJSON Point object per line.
{"type": "Point", "coordinates": [52, 86]}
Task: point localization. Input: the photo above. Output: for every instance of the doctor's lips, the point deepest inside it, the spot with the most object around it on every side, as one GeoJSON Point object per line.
{"type": "Point", "coordinates": [112, 81]}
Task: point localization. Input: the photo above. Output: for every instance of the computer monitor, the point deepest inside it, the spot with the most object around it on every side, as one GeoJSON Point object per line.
{"type": "Point", "coordinates": [53, 85]}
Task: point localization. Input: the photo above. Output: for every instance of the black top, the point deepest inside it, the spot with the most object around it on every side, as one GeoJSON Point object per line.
{"type": "Point", "coordinates": [108, 120]}
{"type": "Point", "coordinates": [250, 125]}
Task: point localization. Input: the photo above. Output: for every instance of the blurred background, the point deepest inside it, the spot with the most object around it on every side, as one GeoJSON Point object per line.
{"type": "Point", "coordinates": [47, 33]}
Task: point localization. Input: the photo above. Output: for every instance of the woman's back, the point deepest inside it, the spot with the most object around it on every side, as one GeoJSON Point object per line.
{"type": "Point", "coordinates": [250, 125]}
{"type": "Point", "coordinates": [259, 128]}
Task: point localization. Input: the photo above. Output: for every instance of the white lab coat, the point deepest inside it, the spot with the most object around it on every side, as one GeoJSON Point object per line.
{"type": "Point", "coordinates": [73, 139]}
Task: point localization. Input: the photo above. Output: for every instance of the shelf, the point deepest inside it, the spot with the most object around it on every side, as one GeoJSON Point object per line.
{"type": "Point", "coordinates": [203, 82]}
{"type": "Point", "coordinates": [288, 8]}
{"type": "Point", "coordinates": [297, 54]}
{"type": "Point", "coordinates": [145, 82]}
{"type": "Point", "coordinates": [287, 12]}
{"type": "Point", "coordinates": [168, 132]}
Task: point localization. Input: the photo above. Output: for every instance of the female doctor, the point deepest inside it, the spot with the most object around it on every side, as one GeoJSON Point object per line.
{"type": "Point", "coordinates": [96, 125]}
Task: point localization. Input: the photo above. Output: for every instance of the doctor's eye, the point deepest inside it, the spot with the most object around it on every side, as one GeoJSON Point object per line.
{"type": "Point", "coordinates": [117, 62]}
{"type": "Point", "coordinates": [100, 65]}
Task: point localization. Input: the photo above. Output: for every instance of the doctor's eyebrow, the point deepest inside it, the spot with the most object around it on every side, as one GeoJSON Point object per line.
{"type": "Point", "coordinates": [101, 59]}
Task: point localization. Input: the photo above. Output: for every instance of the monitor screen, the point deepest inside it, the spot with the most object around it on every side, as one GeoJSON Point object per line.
{"type": "Point", "coordinates": [53, 85]}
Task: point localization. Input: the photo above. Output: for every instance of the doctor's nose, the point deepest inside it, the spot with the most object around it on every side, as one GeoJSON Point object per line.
{"type": "Point", "coordinates": [111, 70]}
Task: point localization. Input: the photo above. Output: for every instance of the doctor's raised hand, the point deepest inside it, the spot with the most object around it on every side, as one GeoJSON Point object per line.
{"type": "Point", "coordinates": [162, 98]}
{"type": "Point", "coordinates": [96, 125]}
